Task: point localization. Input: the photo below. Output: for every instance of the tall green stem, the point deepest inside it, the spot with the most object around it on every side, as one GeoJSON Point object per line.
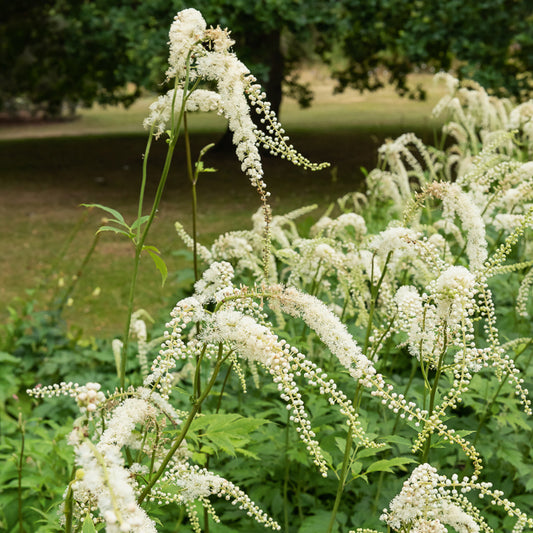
{"type": "Point", "coordinates": [193, 178]}
{"type": "Point", "coordinates": [345, 465]}
{"type": "Point", "coordinates": [286, 475]}
{"type": "Point", "coordinates": [73, 283]}
{"type": "Point", "coordinates": [432, 395]}
{"type": "Point", "coordinates": [185, 428]}
{"type": "Point", "coordinates": [374, 293]}
{"type": "Point", "coordinates": [141, 239]}
{"type": "Point", "coordinates": [144, 179]}
{"type": "Point", "coordinates": [19, 472]}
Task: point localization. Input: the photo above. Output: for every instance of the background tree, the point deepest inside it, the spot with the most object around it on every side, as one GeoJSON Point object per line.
{"type": "Point", "coordinates": [378, 42]}
{"type": "Point", "coordinates": [57, 54]}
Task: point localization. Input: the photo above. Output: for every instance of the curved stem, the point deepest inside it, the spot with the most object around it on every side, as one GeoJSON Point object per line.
{"type": "Point", "coordinates": [185, 428]}
{"type": "Point", "coordinates": [345, 464]}
{"type": "Point", "coordinates": [194, 207]}
{"type": "Point", "coordinates": [374, 292]}
{"type": "Point", "coordinates": [144, 178]}
{"type": "Point", "coordinates": [75, 280]}
{"type": "Point", "coordinates": [432, 395]}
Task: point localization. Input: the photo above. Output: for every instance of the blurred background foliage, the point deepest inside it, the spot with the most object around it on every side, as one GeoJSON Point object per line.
{"type": "Point", "coordinates": [57, 55]}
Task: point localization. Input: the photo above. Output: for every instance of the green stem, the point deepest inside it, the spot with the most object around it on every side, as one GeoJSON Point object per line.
{"type": "Point", "coordinates": [131, 297]}
{"type": "Point", "coordinates": [197, 383]}
{"type": "Point", "coordinates": [192, 178]}
{"type": "Point", "coordinates": [393, 432]}
{"type": "Point", "coordinates": [74, 282]}
{"type": "Point", "coordinates": [19, 473]}
{"type": "Point", "coordinates": [60, 256]}
{"type": "Point", "coordinates": [374, 292]}
{"type": "Point", "coordinates": [345, 464]}
{"type": "Point", "coordinates": [432, 395]}
{"type": "Point", "coordinates": [219, 403]}
{"type": "Point", "coordinates": [224, 383]}
{"type": "Point", "coordinates": [67, 510]}
{"type": "Point", "coordinates": [185, 428]}
{"type": "Point", "coordinates": [286, 476]}
{"type": "Point", "coordinates": [144, 179]}
{"type": "Point", "coordinates": [139, 245]}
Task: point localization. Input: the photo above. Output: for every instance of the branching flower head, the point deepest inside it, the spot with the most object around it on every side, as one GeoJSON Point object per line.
{"type": "Point", "coordinates": [201, 54]}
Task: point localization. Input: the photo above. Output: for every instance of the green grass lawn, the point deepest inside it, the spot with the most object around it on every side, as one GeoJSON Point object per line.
{"type": "Point", "coordinates": [48, 170]}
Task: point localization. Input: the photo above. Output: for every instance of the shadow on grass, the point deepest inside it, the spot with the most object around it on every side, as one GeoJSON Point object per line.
{"type": "Point", "coordinates": [43, 182]}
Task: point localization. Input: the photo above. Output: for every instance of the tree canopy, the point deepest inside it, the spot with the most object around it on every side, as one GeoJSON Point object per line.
{"type": "Point", "coordinates": [489, 41]}
{"type": "Point", "coordinates": [57, 54]}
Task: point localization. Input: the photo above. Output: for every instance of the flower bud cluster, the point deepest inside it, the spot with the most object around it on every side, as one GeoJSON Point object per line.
{"type": "Point", "coordinates": [338, 227]}
{"type": "Point", "coordinates": [283, 376]}
{"type": "Point", "coordinates": [428, 498]}
{"type": "Point", "coordinates": [173, 347]}
{"type": "Point", "coordinates": [191, 483]}
{"type": "Point", "coordinates": [423, 505]}
{"type": "Point", "coordinates": [457, 202]}
{"type": "Point", "coordinates": [328, 327]}
{"type": "Point", "coordinates": [273, 137]}
{"type": "Point", "coordinates": [87, 396]}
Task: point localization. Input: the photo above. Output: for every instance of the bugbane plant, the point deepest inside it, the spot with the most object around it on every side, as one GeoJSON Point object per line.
{"type": "Point", "coordinates": [382, 345]}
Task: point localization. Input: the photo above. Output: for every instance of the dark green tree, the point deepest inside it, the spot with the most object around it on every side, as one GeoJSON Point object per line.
{"type": "Point", "coordinates": [57, 54]}
{"type": "Point", "coordinates": [381, 41]}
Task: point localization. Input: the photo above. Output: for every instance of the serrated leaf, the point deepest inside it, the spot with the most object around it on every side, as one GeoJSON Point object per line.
{"type": "Point", "coordinates": [88, 525]}
{"type": "Point", "coordinates": [160, 265]}
{"type": "Point", "coordinates": [150, 248]}
{"type": "Point", "coordinates": [341, 443]}
{"type": "Point", "coordinates": [385, 465]}
{"type": "Point", "coordinates": [225, 432]}
{"type": "Point", "coordinates": [114, 230]}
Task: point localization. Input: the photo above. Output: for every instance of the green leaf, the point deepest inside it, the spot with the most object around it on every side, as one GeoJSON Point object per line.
{"type": "Point", "coordinates": [119, 219]}
{"type": "Point", "coordinates": [114, 230]}
{"type": "Point", "coordinates": [225, 432]}
{"type": "Point", "coordinates": [318, 522]}
{"type": "Point", "coordinates": [151, 249]}
{"type": "Point", "coordinates": [356, 468]}
{"type": "Point", "coordinates": [385, 465]}
{"type": "Point", "coordinates": [200, 168]}
{"type": "Point", "coordinates": [369, 452]}
{"type": "Point", "coordinates": [139, 222]}
{"type": "Point", "coordinates": [159, 263]}
{"type": "Point", "coordinates": [6, 358]}
{"type": "Point", "coordinates": [88, 525]}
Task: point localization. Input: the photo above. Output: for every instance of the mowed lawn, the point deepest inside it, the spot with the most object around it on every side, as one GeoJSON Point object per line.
{"type": "Point", "coordinates": [48, 170]}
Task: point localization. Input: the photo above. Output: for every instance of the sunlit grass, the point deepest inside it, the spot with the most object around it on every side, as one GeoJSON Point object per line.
{"type": "Point", "coordinates": [349, 110]}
